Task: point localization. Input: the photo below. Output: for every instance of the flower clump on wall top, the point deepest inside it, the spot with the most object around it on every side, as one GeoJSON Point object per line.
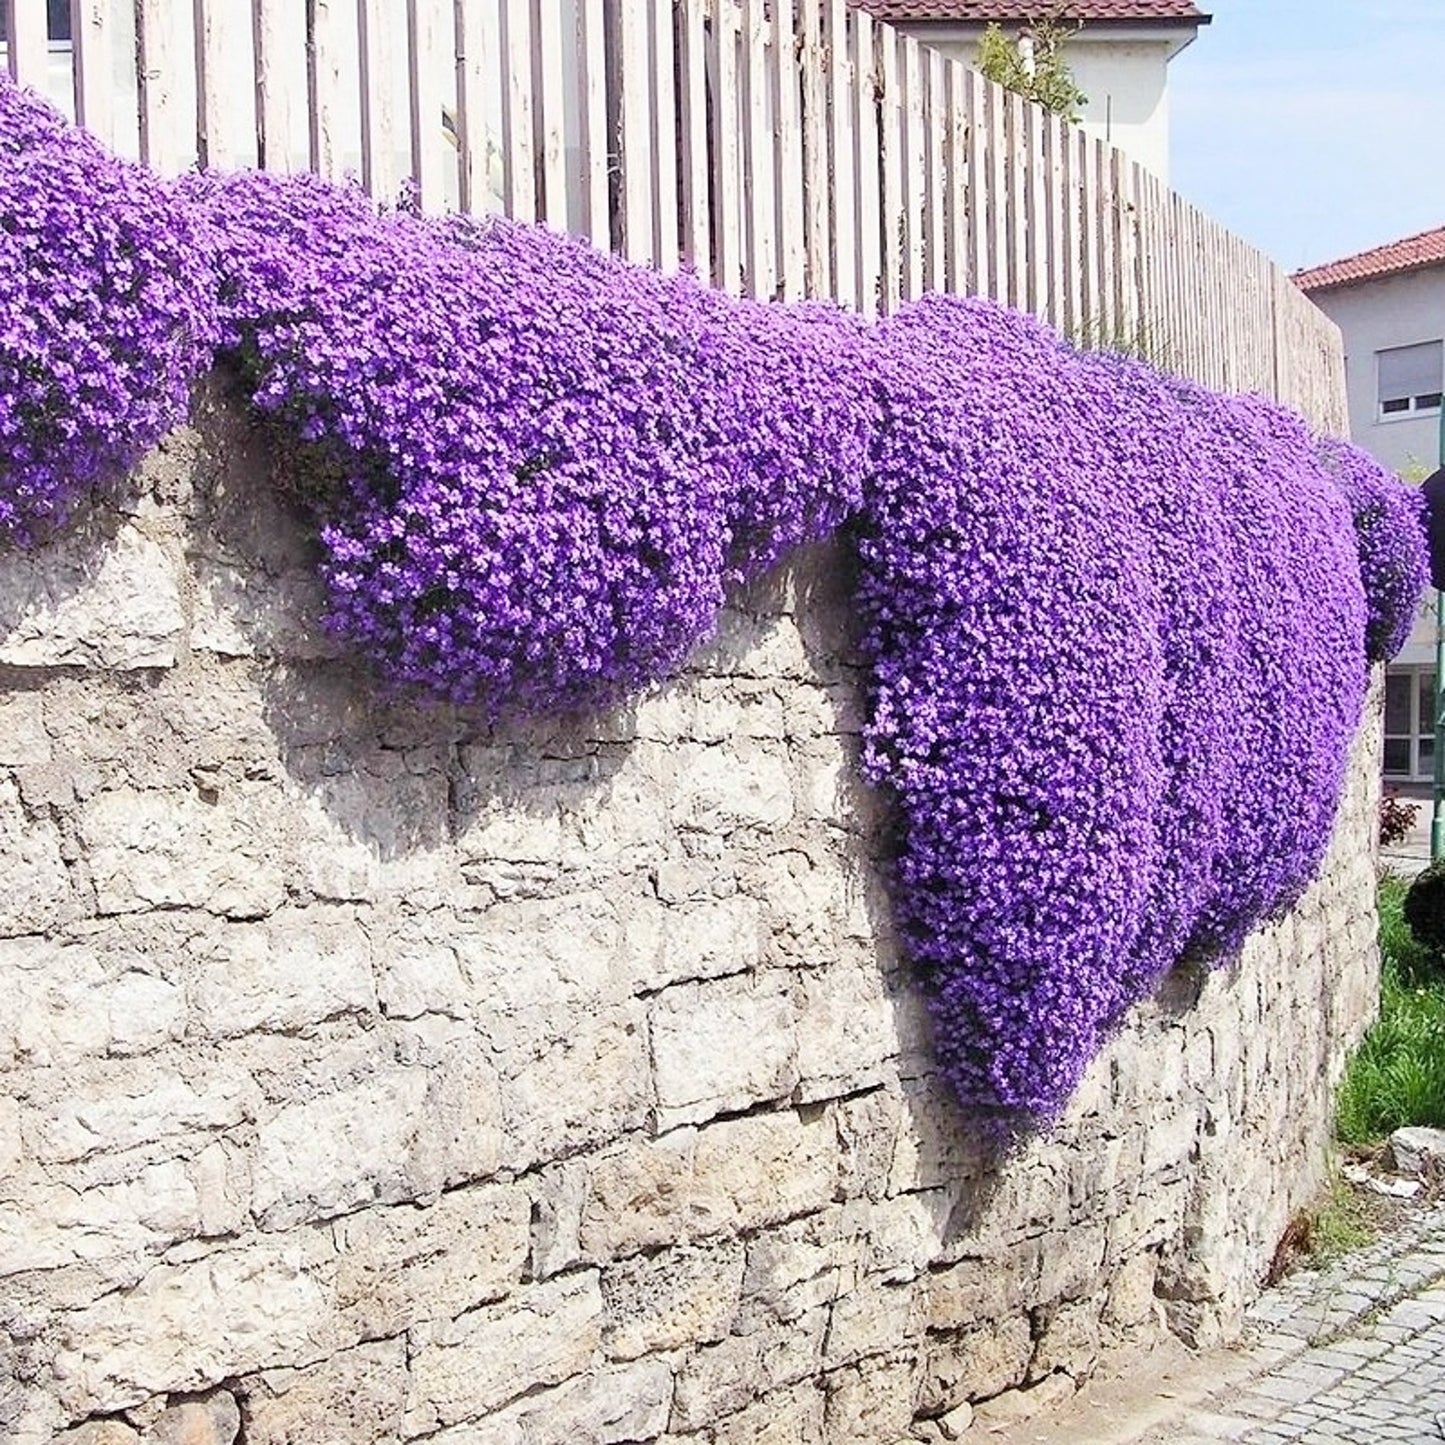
{"type": "Point", "coordinates": [1118, 626]}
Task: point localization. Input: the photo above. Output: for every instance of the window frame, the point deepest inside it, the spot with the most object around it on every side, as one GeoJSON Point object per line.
{"type": "Point", "coordinates": [1419, 708]}
{"type": "Point", "coordinates": [1412, 407]}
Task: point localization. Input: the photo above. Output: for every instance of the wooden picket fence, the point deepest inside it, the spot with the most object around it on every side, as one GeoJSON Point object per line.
{"type": "Point", "coordinates": [782, 148]}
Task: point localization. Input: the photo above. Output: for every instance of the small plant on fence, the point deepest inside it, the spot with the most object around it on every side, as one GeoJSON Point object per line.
{"type": "Point", "coordinates": [1035, 66]}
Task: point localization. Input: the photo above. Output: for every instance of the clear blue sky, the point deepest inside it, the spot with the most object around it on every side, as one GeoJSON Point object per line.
{"type": "Point", "coordinates": [1314, 128]}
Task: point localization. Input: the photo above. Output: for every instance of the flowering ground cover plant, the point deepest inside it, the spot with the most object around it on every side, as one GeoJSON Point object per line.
{"type": "Point", "coordinates": [1118, 627]}
{"type": "Point", "coordinates": [105, 316]}
{"type": "Point", "coordinates": [549, 466]}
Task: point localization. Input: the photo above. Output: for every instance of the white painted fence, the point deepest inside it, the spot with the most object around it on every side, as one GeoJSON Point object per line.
{"type": "Point", "coordinates": [781, 147]}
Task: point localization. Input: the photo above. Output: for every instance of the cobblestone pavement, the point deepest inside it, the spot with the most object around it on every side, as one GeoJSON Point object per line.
{"type": "Point", "coordinates": [1353, 1355]}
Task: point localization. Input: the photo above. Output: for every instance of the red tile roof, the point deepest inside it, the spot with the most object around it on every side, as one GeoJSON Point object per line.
{"type": "Point", "coordinates": [1135, 12]}
{"type": "Point", "coordinates": [1412, 254]}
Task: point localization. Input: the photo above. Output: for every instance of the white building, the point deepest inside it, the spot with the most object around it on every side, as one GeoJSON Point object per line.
{"type": "Point", "coordinates": [1390, 304]}
{"type": "Point", "coordinates": [1119, 55]}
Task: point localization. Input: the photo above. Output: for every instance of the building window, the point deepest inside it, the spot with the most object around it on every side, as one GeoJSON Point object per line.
{"type": "Point", "coordinates": [1410, 379]}
{"type": "Point", "coordinates": [58, 21]}
{"type": "Point", "coordinates": [1410, 723]}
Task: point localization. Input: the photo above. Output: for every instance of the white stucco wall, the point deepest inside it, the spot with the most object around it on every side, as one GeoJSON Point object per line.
{"type": "Point", "coordinates": [1393, 311]}
{"type": "Point", "coordinates": [1124, 74]}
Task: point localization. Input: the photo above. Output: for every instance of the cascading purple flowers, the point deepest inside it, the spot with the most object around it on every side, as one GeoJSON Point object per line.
{"type": "Point", "coordinates": [1118, 626]}
{"type": "Point", "coordinates": [105, 316]}
{"type": "Point", "coordinates": [552, 464]}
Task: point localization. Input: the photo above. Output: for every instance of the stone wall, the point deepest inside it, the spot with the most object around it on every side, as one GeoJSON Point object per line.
{"type": "Point", "coordinates": [372, 1076]}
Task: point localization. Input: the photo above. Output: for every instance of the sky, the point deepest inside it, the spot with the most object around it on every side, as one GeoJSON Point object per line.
{"type": "Point", "coordinates": [1313, 128]}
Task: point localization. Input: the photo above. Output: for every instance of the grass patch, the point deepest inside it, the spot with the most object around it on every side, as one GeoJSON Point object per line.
{"type": "Point", "coordinates": [1341, 1224]}
{"type": "Point", "coordinates": [1397, 1076]}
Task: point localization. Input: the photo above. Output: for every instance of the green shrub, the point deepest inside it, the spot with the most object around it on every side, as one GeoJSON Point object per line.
{"type": "Point", "coordinates": [1425, 909]}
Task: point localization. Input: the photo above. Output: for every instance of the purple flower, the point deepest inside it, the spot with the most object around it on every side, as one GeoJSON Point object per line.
{"type": "Point", "coordinates": [106, 317]}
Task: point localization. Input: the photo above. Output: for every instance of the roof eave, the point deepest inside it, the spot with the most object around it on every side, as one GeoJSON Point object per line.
{"type": "Point", "coordinates": [1411, 269]}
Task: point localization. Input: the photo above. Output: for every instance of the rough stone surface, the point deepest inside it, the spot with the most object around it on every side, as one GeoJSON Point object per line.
{"type": "Point", "coordinates": [1412, 1149]}
{"type": "Point", "coordinates": [404, 1077]}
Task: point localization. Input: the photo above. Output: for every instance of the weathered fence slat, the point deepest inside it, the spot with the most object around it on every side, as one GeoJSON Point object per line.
{"type": "Point", "coordinates": [843, 256]}
{"type": "Point", "coordinates": [93, 41]}
{"type": "Point", "coordinates": [867, 163]}
{"type": "Point", "coordinates": [696, 236]}
{"type": "Point", "coordinates": [158, 44]}
{"type": "Point", "coordinates": [813, 220]}
{"type": "Point", "coordinates": [593, 151]}
{"type": "Point", "coordinates": [890, 122]}
{"type": "Point", "coordinates": [791, 198]}
{"type": "Point", "coordinates": [726, 151]}
{"type": "Point", "coordinates": [519, 145]}
{"type": "Point", "coordinates": [549, 86]}
{"type": "Point", "coordinates": [28, 48]}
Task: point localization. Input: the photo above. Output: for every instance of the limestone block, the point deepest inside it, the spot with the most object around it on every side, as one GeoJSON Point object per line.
{"type": "Point", "coordinates": [154, 850]}
{"type": "Point", "coordinates": [117, 608]}
{"type": "Point", "coordinates": [55, 1009]}
{"type": "Point", "coordinates": [972, 1292]}
{"type": "Point", "coordinates": [531, 968]}
{"type": "Point", "coordinates": [539, 1336]}
{"type": "Point", "coordinates": [871, 1317]}
{"type": "Point", "coordinates": [397, 1267]}
{"type": "Point", "coordinates": [721, 1046]}
{"type": "Point", "coordinates": [975, 1365]}
{"type": "Point", "coordinates": [1070, 1263]}
{"type": "Point", "coordinates": [214, 1420]}
{"type": "Point", "coordinates": [588, 1088]}
{"type": "Point", "coordinates": [298, 968]}
{"type": "Point", "coordinates": [639, 1197]}
{"type": "Point", "coordinates": [186, 1327]}
{"type": "Point", "coordinates": [35, 889]}
{"type": "Point", "coordinates": [355, 1397]}
{"type": "Point", "coordinates": [1413, 1148]}
{"type": "Point", "coordinates": [23, 739]}
{"type": "Point", "coordinates": [608, 1407]}
{"type": "Point", "coordinates": [242, 611]}
{"type": "Point", "coordinates": [560, 1193]}
{"type": "Point", "coordinates": [459, 1136]}
{"type": "Point", "coordinates": [418, 970]}
{"type": "Point", "coordinates": [220, 1175]}
{"type": "Point", "coordinates": [1069, 1342]}
{"type": "Point", "coordinates": [11, 1149]}
{"type": "Point", "coordinates": [369, 828]}
{"type": "Point", "coordinates": [1131, 1291]}
{"type": "Point", "coordinates": [143, 1012]}
{"type": "Point", "coordinates": [134, 1102]}
{"type": "Point", "coordinates": [868, 1127]}
{"type": "Point", "coordinates": [907, 1232]}
{"type": "Point", "coordinates": [784, 1417]}
{"type": "Point", "coordinates": [953, 1425]}
{"type": "Point", "coordinates": [721, 1379]}
{"type": "Point", "coordinates": [870, 1403]}
{"type": "Point", "coordinates": [722, 792]}
{"type": "Point", "coordinates": [701, 939]}
{"type": "Point", "coordinates": [328, 1155]}
{"type": "Point", "coordinates": [674, 1300]}
{"type": "Point", "coordinates": [763, 1169]}
{"type": "Point", "coordinates": [845, 1031]}
{"type": "Point", "coordinates": [98, 1432]}
{"type": "Point", "coordinates": [796, 1267]}
{"type": "Point", "coordinates": [114, 1224]}
{"type": "Point", "coordinates": [1013, 1406]}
